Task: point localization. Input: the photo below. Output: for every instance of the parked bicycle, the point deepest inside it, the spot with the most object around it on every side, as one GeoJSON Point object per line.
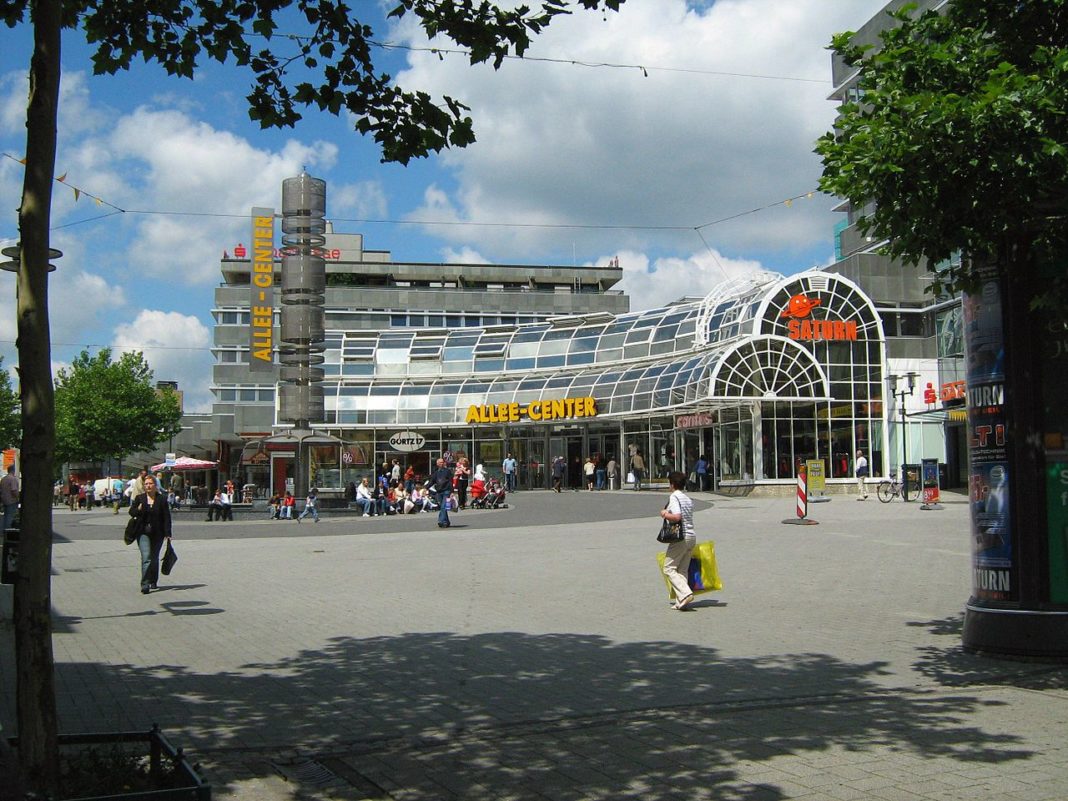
{"type": "Point", "coordinates": [888, 490]}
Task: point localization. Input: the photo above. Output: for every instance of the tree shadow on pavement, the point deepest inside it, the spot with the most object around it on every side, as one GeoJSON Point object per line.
{"type": "Point", "coordinates": [951, 666]}
{"type": "Point", "coordinates": [514, 715]}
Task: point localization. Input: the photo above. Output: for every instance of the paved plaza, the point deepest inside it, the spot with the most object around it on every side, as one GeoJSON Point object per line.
{"type": "Point", "coordinates": [530, 653]}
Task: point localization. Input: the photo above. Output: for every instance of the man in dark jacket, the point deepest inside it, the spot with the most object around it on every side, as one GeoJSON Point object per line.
{"type": "Point", "coordinates": [441, 483]}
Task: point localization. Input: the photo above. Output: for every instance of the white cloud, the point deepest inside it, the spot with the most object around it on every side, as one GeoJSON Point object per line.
{"type": "Point", "coordinates": [559, 143]}
{"type": "Point", "coordinates": [192, 168]}
{"type": "Point", "coordinates": [176, 347]}
{"type": "Point", "coordinates": [463, 256]}
{"type": "Point", "coordinates": [363, 200]}
{"type": "Point", "coordinates": [653, 283]}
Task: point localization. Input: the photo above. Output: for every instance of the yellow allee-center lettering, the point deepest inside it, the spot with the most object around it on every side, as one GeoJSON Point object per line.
{"type": "Point", "coordinates": [555, 409]}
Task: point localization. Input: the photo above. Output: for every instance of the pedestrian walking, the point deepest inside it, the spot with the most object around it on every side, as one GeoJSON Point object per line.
{"type": "Point", "coordinates": [9, 497]}
{"type": "Point", "coordinates": [559, 468]}
{"type": "Point", "coordinates": [679, 509]}
{"type": "Point", "coordinates": [509, 466]}
{"type": "Point", "coordinates": [461, 478]}
{"type": "Point", "coordinates": [153, 517]}
{"type": "Point", "coordinates": [637, 468]}
{"type": "Point", "coordinates": [311, 506]}
{"type": "Point", "coordinates": [588, 471]}
{"type": "Point", "coordinates": [701, 471]}
{"type": "Point", "coordinates": [862, 474]}
{"type": "Point", "coordinates": [441, 482]}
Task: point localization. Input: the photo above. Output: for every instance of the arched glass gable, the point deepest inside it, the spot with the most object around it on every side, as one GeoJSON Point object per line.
{"type": "Point", "coordinates": [809, 337]}
{"type": "Point", "coordinates": [769, 368]}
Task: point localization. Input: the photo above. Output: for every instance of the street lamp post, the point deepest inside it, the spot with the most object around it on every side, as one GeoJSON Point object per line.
{"type": "Point", "coordinates": [904, 392]}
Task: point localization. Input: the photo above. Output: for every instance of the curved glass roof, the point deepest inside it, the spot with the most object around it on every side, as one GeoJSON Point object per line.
{"type": "Point", "coordinates": [733, 345]}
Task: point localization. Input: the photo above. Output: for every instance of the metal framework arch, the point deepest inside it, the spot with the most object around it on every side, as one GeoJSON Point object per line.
{"type": "Point", "coordinates": [771, 368]}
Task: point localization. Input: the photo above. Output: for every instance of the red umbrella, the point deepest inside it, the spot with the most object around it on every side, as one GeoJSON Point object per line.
{"type": "Point", "coordinates": [184, 463]}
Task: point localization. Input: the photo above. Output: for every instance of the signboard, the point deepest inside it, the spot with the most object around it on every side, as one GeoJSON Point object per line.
{"type": "Point", "coordinates": [816, 478]}
{"type": "Point", "coordinates": [560, 409]}
{"type": "Point", "coordinates": [698, 420]}
{"type": "Point", "coordinates": [261, 292]}
{"type": "Point", "coordinates": [799, 326]}
{"type": "Point", "coordinates": [929, 477]}
{"type": "Point", "coordinates": [407, 441]}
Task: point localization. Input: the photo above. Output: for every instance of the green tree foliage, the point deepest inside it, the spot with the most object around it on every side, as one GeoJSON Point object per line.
{"type": "Point", "coordinates": [10, 421]}
{"type": "Point", "coordinates": [108, 408]}
{"type": "Point", "coordinates": [959, 138]}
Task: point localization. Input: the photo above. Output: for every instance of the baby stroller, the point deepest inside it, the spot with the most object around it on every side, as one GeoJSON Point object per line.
{"type": "Point", "coordinates": [494, 497]}
{"type": "Point", "coordinates": [477, 494]}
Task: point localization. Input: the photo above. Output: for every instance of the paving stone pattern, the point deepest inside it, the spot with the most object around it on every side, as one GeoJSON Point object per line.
{"type": "Point", "coordinates": [530, 653]}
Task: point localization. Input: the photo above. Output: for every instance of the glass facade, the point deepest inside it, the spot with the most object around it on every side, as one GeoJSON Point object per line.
{"type": "Point", "coordinates": [779, 370]}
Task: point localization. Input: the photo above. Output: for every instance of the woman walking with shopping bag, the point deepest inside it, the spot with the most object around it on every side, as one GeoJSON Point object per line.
{"type": "Point", "coordinates": [679, 510]}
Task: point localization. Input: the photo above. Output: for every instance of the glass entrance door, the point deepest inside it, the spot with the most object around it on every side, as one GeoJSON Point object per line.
{"type": "Point", "coordinates": [531, 463]}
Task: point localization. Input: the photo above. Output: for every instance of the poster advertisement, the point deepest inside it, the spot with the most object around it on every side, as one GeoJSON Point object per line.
{"type": "Point", "coordinates": [994, 570]}
{"type": "Point", "coordinates": [930, 481]}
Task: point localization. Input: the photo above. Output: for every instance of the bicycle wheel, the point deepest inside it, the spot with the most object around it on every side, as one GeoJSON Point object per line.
{"type": "Point", "coordinates": [886, 491]}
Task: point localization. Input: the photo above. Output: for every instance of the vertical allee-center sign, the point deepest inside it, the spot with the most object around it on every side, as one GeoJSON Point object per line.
{"type": "Point", "coordinates": [261, 289]}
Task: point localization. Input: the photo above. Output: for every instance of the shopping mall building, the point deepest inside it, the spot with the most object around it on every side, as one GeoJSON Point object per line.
{"type": "Point", "coordinates": [760, 375]}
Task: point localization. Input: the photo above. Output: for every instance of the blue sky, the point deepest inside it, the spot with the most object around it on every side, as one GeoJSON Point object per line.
{"type": "Point", "coordinates": [573, 165]}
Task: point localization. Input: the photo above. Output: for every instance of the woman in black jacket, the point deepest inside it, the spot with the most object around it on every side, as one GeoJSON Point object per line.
{"type": "Point", "coordinates": [153, 527]}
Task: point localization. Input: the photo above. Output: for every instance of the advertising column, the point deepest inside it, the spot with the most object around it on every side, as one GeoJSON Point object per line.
{"type": "Point", "coordinates": [1018, 491]}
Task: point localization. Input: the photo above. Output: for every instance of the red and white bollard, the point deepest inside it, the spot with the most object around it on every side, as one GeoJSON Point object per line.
{"type": "Point", "coordinates": [802, 518]}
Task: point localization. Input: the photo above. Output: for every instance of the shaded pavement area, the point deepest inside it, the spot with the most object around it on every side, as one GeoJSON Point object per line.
{"type": "Point", "coordinates": [531, 654]}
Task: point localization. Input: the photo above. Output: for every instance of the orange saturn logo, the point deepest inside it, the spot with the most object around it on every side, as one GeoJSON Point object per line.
{"type": "Point", "coordinates": [800, 306]}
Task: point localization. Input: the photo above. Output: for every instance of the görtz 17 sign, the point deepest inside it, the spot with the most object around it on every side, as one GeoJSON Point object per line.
{"type": "Point", "coordinates": [407, 441]}
{"type": "Point", "coordinates": [560, 409]}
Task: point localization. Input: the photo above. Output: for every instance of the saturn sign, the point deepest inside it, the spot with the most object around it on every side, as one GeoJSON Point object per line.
{"type": "Point", "coordinates": [407, 441]}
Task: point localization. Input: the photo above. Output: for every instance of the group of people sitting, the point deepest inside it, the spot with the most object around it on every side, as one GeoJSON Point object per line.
{"type": "Point", "coordinates": [391, 497]}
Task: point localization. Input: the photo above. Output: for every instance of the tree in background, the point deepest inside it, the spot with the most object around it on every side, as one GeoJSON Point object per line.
{"type": "Point", "coordinates": [108, 408]}
{"type": "Point", "coordinates": [10, 422]}
{"type": "Point", "coordinates": [327, 46]}
{"type": "Point", "coordinates": [960, 138]}
{"type": "Point", "coordinates": [958, 143]}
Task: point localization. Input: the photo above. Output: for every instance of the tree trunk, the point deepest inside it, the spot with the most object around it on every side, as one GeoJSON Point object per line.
{"type": "Point", "coordinates": [34, 666]}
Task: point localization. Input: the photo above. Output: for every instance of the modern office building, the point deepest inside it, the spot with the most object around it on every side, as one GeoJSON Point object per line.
{"type": "Point", "coordinates": [370, 296]}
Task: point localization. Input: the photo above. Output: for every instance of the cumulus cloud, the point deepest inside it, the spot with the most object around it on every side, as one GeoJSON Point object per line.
{"type": "Point", "coordinates": [657, 282]}
{"type": "Point", "coordinates": [176, 347]}
{"type": "Point", "coordinates": [689, 141]}
{"type": "Point", "coordinates": [463, 256]}
{"type": "Point", "coordinates": [192, 168]}
{"type": "Point", "coordinates": [363, 200]}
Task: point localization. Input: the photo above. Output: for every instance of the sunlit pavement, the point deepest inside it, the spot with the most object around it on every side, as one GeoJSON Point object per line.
{"type": "Point", "coordinates": [530, 653]}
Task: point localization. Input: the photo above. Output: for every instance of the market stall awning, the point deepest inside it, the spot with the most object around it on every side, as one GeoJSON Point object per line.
{"type": "Point", "coordinates": [184, 463]}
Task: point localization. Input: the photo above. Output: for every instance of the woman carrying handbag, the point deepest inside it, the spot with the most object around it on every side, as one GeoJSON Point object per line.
{"type": "Point", "coordinates": [679, 510]}
{"type": "Point", "coordinates": [153, 517]}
